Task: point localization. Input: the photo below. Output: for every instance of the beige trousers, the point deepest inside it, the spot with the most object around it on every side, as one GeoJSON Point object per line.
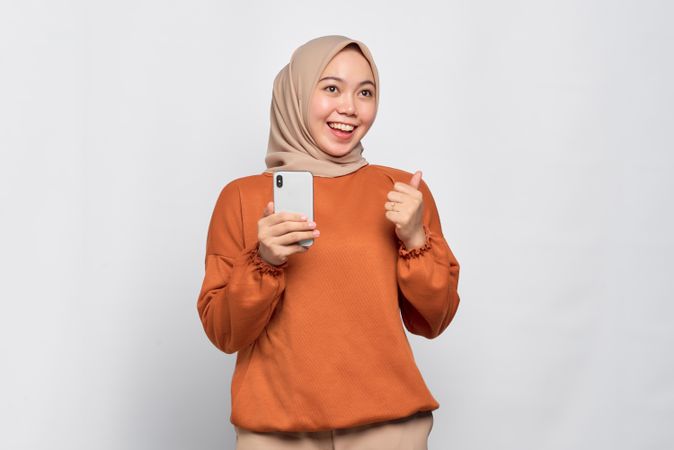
{"type": "Point", "coordinates": [408, 433]}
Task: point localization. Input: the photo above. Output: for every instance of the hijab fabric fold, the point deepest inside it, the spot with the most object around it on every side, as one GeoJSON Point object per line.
{"type": "Point", "coordinates": [291, 146]}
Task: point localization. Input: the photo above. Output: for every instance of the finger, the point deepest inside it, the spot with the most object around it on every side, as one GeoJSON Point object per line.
{"type": "Point", "coordinates": [288, 250]}
{"type": "Point", "coordinates": [396, 196]}
{"type": "Point", "coordinates": [299, 248]}
{"type": "Point", "coordinates": [268, 209]}
{"type": "Point", "coordinates": [295, 237]}
{"type": "Point", "coordinates": [398, 205]}
{"type": "Point", "coordinates": [285, 216]}
{"type": "Point", "coordinates": [288, 226]}
{"type": "Point", "coordinates": [393, 216]}
{"type": "Point", "coordinates": [393, 206]}
{"type": "Point", "coordinates": [416, 179]}
{"type": "Point", "coordinates": [404, 187]}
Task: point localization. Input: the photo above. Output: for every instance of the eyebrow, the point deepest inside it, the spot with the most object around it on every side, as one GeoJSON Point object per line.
{"type": "Point", "coordinates": [339, 79]}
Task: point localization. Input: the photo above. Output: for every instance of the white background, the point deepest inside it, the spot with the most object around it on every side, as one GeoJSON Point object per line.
{"type": "Point", "coordinates": [544, 130]}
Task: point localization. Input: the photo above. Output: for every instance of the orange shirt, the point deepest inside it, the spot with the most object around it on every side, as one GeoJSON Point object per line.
{"type": "Point", "coordinates": [320, 340]}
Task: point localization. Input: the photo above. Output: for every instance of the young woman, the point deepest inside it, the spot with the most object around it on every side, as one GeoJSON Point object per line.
{"type": "Point", "coordinates": [323, 359]}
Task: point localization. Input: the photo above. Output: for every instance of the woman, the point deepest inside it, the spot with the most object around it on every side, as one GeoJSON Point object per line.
{"type": "Point", "coordinates": [323, 359]}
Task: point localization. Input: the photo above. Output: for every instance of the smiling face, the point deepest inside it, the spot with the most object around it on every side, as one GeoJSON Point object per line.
{"type": "Point", "coordinates": [342, 106]}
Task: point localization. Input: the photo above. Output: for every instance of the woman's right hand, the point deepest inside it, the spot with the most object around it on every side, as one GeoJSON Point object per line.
{"type": "Point", "coordinates": [278, 234]}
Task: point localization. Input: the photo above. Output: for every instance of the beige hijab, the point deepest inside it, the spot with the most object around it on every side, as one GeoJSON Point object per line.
{"type": "Point", "coordinates": [291, 146]}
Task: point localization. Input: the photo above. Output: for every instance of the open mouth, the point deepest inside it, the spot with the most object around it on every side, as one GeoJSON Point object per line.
{"type": "Point", "coordinates": [341, 130]}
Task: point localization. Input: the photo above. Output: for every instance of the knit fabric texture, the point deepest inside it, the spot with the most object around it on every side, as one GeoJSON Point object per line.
{"type": "Point", "coordinates": [320, 339]}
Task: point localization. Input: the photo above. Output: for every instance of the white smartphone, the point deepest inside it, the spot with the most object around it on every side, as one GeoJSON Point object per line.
{"type": "Point", "coordinates": [294, 192]}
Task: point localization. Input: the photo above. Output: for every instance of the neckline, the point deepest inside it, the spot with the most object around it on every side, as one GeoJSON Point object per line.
{"type": "Point", "coordinates": [269, 174]}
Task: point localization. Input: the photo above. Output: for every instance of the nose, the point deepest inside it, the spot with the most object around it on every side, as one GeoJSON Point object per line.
{"type": "Point", "coordinates": [347, 106]}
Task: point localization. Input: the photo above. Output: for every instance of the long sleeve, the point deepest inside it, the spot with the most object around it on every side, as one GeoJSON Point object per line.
{"type": "Point", "coordinates": [310, 336]}
{"type": "Point", "coordinates": [428, 277]}
{"type": "Point", "coordinates": [240, 290]}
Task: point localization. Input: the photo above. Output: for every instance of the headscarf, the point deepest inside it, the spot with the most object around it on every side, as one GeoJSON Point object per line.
{"type": "Point", "coordinates": [291, 146]}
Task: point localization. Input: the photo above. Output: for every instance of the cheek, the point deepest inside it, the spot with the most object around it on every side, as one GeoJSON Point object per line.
{"type": "Point", "coordinates": [320, 109]}
{"type": "Point", "coordinates": [367, 113]}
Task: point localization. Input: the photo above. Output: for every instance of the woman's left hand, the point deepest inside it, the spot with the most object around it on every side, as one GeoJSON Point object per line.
{"type": "Point", "coordinates": [405, 209]}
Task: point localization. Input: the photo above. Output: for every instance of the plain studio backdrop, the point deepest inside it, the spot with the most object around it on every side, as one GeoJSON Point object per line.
{"type": "Point", "coordinates": [544, 130]}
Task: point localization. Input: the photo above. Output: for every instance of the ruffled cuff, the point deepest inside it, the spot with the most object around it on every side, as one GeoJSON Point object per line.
{"type": "Point", "coordinates": [415, 252]}
{"type": "Point", "coordinates": [263, 266]}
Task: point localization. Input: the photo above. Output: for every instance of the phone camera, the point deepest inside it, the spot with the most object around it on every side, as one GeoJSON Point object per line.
{"type": "Point", "coordinates": [279, 181]}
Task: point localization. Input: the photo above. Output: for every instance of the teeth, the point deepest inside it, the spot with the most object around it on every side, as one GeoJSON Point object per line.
{"type": "Point", "coordinates": [341, 126]}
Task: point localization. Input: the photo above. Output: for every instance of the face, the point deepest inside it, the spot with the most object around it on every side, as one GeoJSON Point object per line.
{"type": "Point", "coordinates": [342, 106]}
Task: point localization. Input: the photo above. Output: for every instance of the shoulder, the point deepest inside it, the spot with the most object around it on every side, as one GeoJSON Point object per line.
{"type": "Point", "coordinates": [245, 183]}
{"type": "Point", "coordinates": [250, 181]}
{"type": "Point", "coordinates": [230, 193]}
{"type": "Point", "coordinates": [391, 172]}
{"type": "Point", "coordinates": [394, 175]}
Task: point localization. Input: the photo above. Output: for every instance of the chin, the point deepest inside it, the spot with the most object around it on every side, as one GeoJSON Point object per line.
{"type": "Point", "coordinates": [337, 152]}
{"type": "Point", "coordinates": [338, 149]}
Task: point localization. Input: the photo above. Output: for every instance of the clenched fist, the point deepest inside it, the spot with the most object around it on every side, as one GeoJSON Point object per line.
{"type": "Point", "coordinates": [405, 209]}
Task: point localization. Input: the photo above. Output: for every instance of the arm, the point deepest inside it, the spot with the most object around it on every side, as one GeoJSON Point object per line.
{"type": "Point", "coordinates": [240, 289]}
{"type": "Point", "coordinates": [428, 277]}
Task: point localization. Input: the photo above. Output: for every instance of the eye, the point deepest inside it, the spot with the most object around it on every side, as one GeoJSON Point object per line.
{"type": "Point", "coordinates": [366, 92]}
{"type": "Point", "coordinates": [331, 88]}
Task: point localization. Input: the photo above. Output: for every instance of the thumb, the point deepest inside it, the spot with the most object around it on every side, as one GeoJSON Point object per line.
{"type": "Point", "coordinates": [268, 209]}
{"type": "Point", "coordinates": [416, 179]}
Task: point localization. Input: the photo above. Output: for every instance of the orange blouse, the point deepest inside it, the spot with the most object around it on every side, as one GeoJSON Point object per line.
{"type": "Point", "coordinates": [320, 340]}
